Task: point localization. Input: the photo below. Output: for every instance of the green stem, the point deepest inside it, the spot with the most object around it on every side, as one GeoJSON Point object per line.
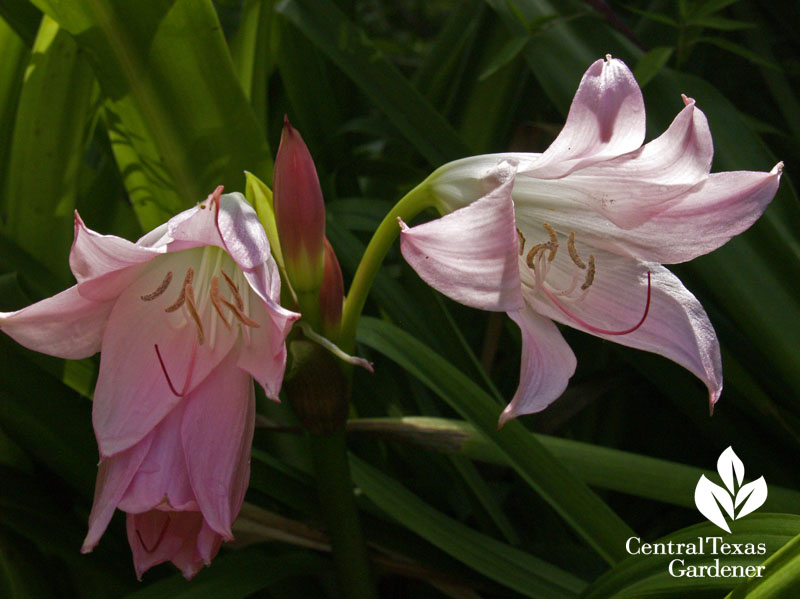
{"type": "Point", "coordinates": [414, 202]}
{"type": "Point", "coordinates": [329, 455]}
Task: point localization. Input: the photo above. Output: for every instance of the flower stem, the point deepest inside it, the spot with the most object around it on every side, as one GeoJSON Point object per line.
{"type": "Point", "coordinates": [414, 202]}
{"type": "Point", "coordinates": [329, 455]}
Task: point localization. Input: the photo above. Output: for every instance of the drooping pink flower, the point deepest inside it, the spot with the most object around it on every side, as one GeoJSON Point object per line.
{"type": "Point", "coordinates": [185, 318]}
{"type": "Point", "coordinates": [579, 233]}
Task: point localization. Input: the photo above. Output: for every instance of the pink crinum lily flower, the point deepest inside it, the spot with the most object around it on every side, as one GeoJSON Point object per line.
{"type": "Point", "coordinates": [185, 318]}
{"type": "Point", "coordinates": [579, 233]}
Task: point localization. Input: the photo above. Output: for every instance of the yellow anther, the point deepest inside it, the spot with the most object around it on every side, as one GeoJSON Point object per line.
{"type": "Point", "coordinates": [533, 252]}
{"type": "Point", "coordinates": [521, 238]}
{"type": "Point", "coordinates": [187, 280]}
{"type": "Point", "coordinates": [192, 309]}
{"type": "Point", "coordinates": [553, 244]}
{"type": "Point", "coordinates": [215, 301]}
{"type": "Point", "coordinates": [573, 253]}
{"type": "Point", "coordinates": [234, 290]}
{"type": "Point", "coordinates": [589, 274]}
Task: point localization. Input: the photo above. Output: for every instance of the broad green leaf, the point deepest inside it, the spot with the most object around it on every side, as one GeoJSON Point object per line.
{"type": "Point", "coordinates": [651, 63]}
{"type": "Point", "coordinates": [581, 508]}
{"type": "Point", "coordinates": [781, 576]}
{"type": "Point", "coordinates": [48, 146]}
{"type": "Point", "coordinates": [22, 17]}
{"type": "Point", "coordinates": [179, 121]}
{"type": "Point", "coordinates": [648, 575]}
{"type": "Point", "coordinates": [600, 467]}
{"type": "Point", "coordinates": [508, 566]}
{"type": "Point", "coordinates": [328, 28]}
{"type": "Point", "coordinates": [252, 59]}
{"type": "Point", "coordinates": [15, 59]}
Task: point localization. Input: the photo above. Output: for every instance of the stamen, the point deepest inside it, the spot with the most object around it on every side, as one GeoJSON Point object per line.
{"type": "Point", "coordinates": [160, 289]}
{"type": "Point", "coordinates": [590, 274]}
{"type": "Point", "coordinates": [243, 318]}
{"type": "Point", "coordinates": [182, 297]}
{"type": "Point", "coordinates": [573, 253]}
{"type": "Point", "coordinates": [215, 301]}
{"type": "Point", "coordinates": [521, 238]}
{"type": "Point", "coordinates": [533, 252]}
{"type": "Point", "coordinates": [191, 307]}
{"type": "Point", "coordinates": [158, 540]}
{"type": "Point", "coordinates": [234, 290]}
{"type": "Point", "coordinates": [595, 329]}
{"type": "Point", "coordinates": [553, 241]}
{"type": "Point", "coordinates": [188, 373]}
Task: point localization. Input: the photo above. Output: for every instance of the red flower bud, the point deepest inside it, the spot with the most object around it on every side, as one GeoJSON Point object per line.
{"type": "Point", "coordinates": [331, 295]}
{"type": "Point", "coordinates": [299, 211]}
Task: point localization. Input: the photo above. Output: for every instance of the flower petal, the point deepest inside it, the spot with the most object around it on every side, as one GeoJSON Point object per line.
{"type": "Point", "coordinates": [66, 325]}
{"type": "Point", "coordinates": [113, 477]}
{"type": "Point", "coordinates": [547, 365]}
{"type": "Point", "coordinates": [104, 265]}
{"type": "Point", "coordinates": [695, 223]}
{"type": "Point", "coordinates": [133, 392]}
{"type": "Point", "coordinates": [161, 479]}
{"type": "Point", "coordinates": [606, 120]}
{"type": "Point", "coordinates": [234, 227]}
{"type": "Point", "coordinates": [633, 188]}
{"type": "Point", "coordinates": [676, 326]}
{"type": "Point", "coordinates": [217, 433]}
{"type": "Point", "coordinates": [159, 536]}
{"type": "Point", "coordinates": [470, 255]}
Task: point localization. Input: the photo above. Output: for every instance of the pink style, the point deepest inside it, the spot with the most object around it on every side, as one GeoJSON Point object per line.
{"type": "Point", "coordinates": [185, 318]}
{"type": "Point", "coordinates": [579, 233]}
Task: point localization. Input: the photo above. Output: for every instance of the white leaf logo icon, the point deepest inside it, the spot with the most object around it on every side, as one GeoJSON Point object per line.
{"type": "Point", "coordinates": [711, 499]}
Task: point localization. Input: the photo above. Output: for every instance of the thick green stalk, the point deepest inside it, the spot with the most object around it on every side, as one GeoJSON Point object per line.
{"type": "Point", "coordinates": [414, 202]}
{"type": "Point", "coordinates": [331, 468]}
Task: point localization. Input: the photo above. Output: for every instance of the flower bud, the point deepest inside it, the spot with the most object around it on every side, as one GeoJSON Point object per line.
{"type": "Point", "coordinates": [331, 295]}
{"type": "Point", "coordinates": [299, 211]}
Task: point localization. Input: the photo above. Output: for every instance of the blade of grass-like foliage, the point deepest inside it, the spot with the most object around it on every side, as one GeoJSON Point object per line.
{"type": "Point", "coordinates": [600, 467]}
{"type": "Point", "coordinates": [22, 17]}
{"type": "Point", "coordinates": [329, 29]}
{"type": "Point", "coordinates": [252, 58]}
{"type": "Point", "coordinates": [581, 508]}
{"type": "Point", "coordinates": [54, 120]}
{"type": "Point", "coordinates": [513, 568]}
{"type": "Point", "coordinates": [15, 59]}
{"type": "Point", "coordinates": [781, 576]}
{"type": "Point", "coordinates": [648, 575]}
{"type": "Point", "coordinates": [236, 575]}
{"type": "Point", "coordinates": [173, 98]}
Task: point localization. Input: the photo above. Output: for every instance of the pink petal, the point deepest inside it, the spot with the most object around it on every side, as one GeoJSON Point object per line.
{"type": "Point", "coordinates": [547, 365]}
{"type": "Point", "coordinates": [676, 326]}
{"type": "Point", "coordinates": [104, 265]}
{"type": "Point", "coordinates": [132, 393]}
{"type": "Point", "coordinates": [470, 255]}
{"type": "Point", "coordinates": [162, 479]}
{"type": "Point", "coordinates": [606, 120]}
{"type": "Point", "coordinates": [159, 536]}
{"type": "Point", "coordinates": [632, 188]}
{"type": "Point", "coordinates": [217, 433]}
{"type": "Point", "coordinates": [208, 543]}
{"type": "Point", "coordinates": [695, 223]}
{"type": "Point", "coordinates": [66, 325]}
{"type": "Point", "coordinates": [235, 228]}
{"type": "Point", "coordinates": [113, 477]}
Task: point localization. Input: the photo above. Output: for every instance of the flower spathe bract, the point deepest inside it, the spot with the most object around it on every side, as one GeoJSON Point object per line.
{"type": "Point", "coordinates": [579, 233]}
{"type": "Point", "coordinates": [185, 318]}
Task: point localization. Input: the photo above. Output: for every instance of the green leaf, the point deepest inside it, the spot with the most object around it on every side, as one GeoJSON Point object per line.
{"type": "Point", "coordinates": [508, 566]}
{"type": "Point", "coordinates": [709, 7]}
{"type": "Point", "coordinates": [735, 48]}
{"type": "Point", "coordinates": [719, 23]}
{"type": "Point", "coordinates": [581, 508]}
{"type": "Point", "coordinates": [15, 60]}
{"type": "Point", "coordinates": [651, 63]}
{"type": "Point", "coordinates": [648, 575]}
{"type": "Point", "coordinates": [597, 466]}
{"type": "Point", "coordinates": [328, 28]}
{"type": "Point", "coordinates": [505, 55]}
{"type": "Point", "coordinates": [781, 578]}
{"type": "Point", "coordinates": [236, 575]}
{"type": "Point", "coordinates": [653, 16]}
{"type": "Point", "coordinates": [48, 147]}
{"type": "Point", "coordinates": [252, 56]}
{"type": "Point", "coordinates": [179, 122]}
{"type": "Point", "coordinates": [22, 17]}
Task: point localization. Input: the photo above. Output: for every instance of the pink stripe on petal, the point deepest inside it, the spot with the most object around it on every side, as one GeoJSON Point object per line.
{"type": "Point", "coordinates": [470, 255]}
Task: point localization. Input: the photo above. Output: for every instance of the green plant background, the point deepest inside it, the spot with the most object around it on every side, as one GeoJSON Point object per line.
{"type": "Point", "coordinates": [132, 111]}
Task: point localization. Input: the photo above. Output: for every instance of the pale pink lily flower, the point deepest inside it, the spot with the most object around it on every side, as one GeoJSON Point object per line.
{"type": "Point", "coordinates": [185, 318]}
{"type": "Point", "coordinates": [579, 233]}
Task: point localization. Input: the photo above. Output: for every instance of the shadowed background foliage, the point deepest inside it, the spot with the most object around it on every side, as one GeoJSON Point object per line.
{"type": "Point", "coordinates": [130, 112]}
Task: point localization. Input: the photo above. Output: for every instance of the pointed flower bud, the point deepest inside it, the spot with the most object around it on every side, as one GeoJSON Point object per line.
{"type": "Point", "coordinates": [331, 295]}
{"type": "Point", "coordinates": [299, 211]}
